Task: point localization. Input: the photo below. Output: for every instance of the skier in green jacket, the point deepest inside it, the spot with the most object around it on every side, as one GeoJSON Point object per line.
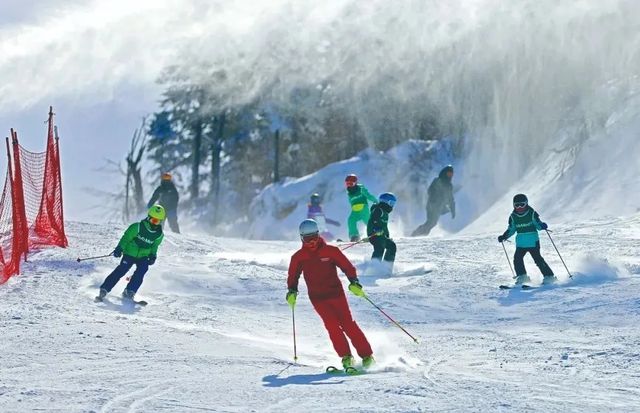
{"type": "Point", "coordinates": [359, 198]}
{"type": "Point", "coordinates": [526, 222]}
{"type": "Point", "coordinates": [139, 246]}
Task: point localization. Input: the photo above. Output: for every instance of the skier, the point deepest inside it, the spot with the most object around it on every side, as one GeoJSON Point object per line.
{"type": "Point", "coordinates": [440, 201]}
{"type": "Point", "coordinates": [317, 261]}
{"type": "Point", "coordinates": [358, 198]}
{"type": "Point", "coordinates": [166, 194]}
{"type": "Point", "coordinates": [139, 246]}
{"type": "Point", "coordinates": [315, 212]}
{"type": "Point", "coordinates": [378, 232]}
{"type": "Point", "coordinates": [525, 221]}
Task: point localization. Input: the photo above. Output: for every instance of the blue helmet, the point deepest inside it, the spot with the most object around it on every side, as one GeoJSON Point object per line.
{"type": "Point", "coordinates": [308, 227]}
{"type": "Point", "coordinates": [388, 198]}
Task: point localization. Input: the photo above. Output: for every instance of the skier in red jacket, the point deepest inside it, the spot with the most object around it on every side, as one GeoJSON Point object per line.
{"type": "Point", "coordinates": [317, 261]}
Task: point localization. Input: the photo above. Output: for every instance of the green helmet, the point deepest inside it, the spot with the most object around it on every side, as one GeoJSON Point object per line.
{"type": "Point", "coordinates": [157, 212]}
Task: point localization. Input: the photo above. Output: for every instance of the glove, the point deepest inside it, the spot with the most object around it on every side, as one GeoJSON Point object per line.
{"type": "Point", "coordinates": [543, 226]}
{"type": "Point", "coordinates": [501, 238]}
{"type": "Point", "coordinates": [291, 297]}
{"type": "Point", "coordinates": [117, 252]}
{"type": "Point", "coordinates": [356, 288]}
{"type": "Point", "coordinates": [151, 259]}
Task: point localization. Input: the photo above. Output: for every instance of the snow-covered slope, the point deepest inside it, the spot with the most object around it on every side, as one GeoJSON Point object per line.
{"type": "Point", "coordinates": [406, 170]}
{"type": "Point", "coordinates": [216, 335]}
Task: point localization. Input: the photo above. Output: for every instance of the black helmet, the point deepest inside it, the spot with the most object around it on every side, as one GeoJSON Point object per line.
{"type": "Point", "coordinates": [315, 199]}
{"type": "Point", "coordinates": [445, 171]}
{"type": "Point", "coordinates": [520, 198]}
{"type": "Point", "coordinates": [520, 203]}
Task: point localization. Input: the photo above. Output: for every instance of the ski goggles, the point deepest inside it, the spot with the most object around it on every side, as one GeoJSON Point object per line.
{"type": "Point", "coordinates": [309, 238]}
{"type": "Point", "coordinates": [310, 241]}
{"type": "Point", "coordinates": [155, 221]}
{"type": "Point", "coordinates": [519, 205]}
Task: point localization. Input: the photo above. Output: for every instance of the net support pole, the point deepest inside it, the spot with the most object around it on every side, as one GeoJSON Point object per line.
{"type": "Point", "coordinates": [18, 200]}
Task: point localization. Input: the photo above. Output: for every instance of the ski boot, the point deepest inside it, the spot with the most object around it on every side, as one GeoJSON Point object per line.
{"type": "Point", "coordinates": [522, 279]}
{"type": "Point", "coordinates": [367, 362]}
{"type": "Point", "coordinates": [127, 295]}
{"type": "Point", "coordinates": [347, 361]}
{"type": "Point", "coordinates": [101, 295]}
{"type": "Point", "coordinates": [355, 238]}
{"type": "Point", "coordinates": [549, 279]}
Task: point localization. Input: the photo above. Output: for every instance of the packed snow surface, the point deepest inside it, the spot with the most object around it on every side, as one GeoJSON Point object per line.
{"type": "Point", "coordinates": [217, 334]}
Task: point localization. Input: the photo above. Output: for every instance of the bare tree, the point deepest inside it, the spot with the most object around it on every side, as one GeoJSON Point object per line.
{"type": "Point", "coordinates": [134, 172]}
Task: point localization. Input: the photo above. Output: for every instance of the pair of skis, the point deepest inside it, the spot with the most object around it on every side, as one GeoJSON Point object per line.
{"type": "Point", "coordinates": [349, 371]}
{"type": "Point", "coordinates": [521, 286]}
{"type": "Point", "coordinates": [141, 303]}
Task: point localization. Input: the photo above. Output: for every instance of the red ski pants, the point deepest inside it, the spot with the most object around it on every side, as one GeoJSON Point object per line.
{"type": "Point", "coordinates": [338, 321]}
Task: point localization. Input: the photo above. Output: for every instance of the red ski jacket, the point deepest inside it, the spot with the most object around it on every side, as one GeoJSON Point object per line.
{"type": "Point", "coordinates": [319, 270]}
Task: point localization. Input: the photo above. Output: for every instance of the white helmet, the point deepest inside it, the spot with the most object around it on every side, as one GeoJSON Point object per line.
{"type": "Point", "coordinates": [308, 227]}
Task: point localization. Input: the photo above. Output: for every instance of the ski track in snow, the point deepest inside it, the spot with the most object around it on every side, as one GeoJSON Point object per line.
{"type": "Point", "coordinates": [217, 331]}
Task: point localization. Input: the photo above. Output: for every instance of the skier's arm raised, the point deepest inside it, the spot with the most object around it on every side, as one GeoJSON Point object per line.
{"type": "Point", "coordinates": [332, 222]}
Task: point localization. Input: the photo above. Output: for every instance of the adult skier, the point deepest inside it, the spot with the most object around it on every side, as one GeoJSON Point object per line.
{"type": "Point", "coordinates": [359, 198]}
{"type": "Point", "coordinates": [318, 261]}
{"type": "Point", "coordinates": [440, 201]}
{"type": "Point", "coordinates": [378, 231]}
{"type": "Point", "coordinates": [525, 221]}
{"type": "Point", "coordinates": [138, 246]}
{"type": "Point", "coordinates": [315, 212]}
{"type": "Point", "coordinates": [166, 194]}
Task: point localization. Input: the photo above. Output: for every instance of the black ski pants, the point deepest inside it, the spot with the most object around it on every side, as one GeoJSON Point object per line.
{"type": "Point", "coordinates": [518, 260]}
{"type": "Point", "coordinates": [383, 248]}
{"type": "Point", "coordinates": [142, 266]}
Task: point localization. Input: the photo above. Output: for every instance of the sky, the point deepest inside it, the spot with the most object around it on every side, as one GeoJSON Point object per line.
{"type": "Point", "coordinates": [97, 105]}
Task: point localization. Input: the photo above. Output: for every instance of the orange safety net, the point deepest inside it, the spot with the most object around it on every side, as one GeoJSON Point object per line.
{"type": "Point", "coordinates": [31, 210]}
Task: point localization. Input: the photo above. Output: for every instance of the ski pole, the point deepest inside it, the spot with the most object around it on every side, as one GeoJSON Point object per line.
{"type": "Point", "coordinates": [358, 242]}
{"type": "Point", "coordinates": [554, 246]}
{"type": "Point", "coordinates": [508, 260]}
{"type": "Point", "coordinates": [391, 319]}
{"type": "Point", "coordinates": [94, 258]}
{"type": "Point", "coordinates": [295, 349]}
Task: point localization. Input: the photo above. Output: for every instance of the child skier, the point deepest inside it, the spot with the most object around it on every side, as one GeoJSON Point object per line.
{"type": "Point", "coordinates": [378, 231]}
{"type": "Point", "coordinates": [317, 261]}
{"type": "Point", "coordinates": [358, 198]}
{"type": "Point", "coordinates": [525, 221]}
{"type": "Point", "coordinates": [315, 212]}
{"type": "Point", "coordinates": [139, 246]}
